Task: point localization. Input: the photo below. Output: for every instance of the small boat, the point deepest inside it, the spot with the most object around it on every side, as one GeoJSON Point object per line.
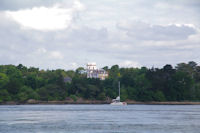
{"type": "Point", "coordinates": [117, 100]}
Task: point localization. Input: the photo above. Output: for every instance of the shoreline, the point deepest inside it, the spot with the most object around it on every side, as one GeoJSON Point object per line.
{"type": "Point", "coordinates": [35, 102]}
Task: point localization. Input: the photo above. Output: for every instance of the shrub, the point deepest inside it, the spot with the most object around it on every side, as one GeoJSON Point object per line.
{"type": "Point", "coordinates": [73, 97]}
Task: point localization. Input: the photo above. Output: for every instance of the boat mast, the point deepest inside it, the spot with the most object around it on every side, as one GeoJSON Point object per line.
{"type": "Point", "coordinates": [119, 89]}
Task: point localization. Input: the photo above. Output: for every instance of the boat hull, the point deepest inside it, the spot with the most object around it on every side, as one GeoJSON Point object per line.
{"type": "Point", "coordinates": [118, 103]}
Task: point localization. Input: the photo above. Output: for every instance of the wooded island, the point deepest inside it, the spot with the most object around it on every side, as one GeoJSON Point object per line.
{"type": "Point", "coordinates": [21, 84]}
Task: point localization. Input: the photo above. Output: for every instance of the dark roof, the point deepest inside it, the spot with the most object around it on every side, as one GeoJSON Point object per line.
{"type": "Point", "coordinates": [67, 79]}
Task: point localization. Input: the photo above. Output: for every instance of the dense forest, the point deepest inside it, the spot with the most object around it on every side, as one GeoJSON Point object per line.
{"type": "Point", "coordinates": [182, 83]}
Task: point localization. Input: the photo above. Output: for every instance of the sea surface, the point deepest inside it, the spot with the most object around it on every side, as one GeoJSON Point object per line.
{"type": "Point", "coordinates": [99, 119]}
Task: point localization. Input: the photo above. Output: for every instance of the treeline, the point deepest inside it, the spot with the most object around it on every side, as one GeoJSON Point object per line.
{"type": "Point", "coordinates": [182, 83]}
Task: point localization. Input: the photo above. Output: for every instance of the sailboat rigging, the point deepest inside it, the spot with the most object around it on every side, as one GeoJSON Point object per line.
{"type": "Point", "coordinates": [117, 100]}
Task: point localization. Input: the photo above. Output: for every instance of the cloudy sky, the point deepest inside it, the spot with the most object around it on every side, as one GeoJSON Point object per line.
{"type": "Point", "coordinates": [67, 34]}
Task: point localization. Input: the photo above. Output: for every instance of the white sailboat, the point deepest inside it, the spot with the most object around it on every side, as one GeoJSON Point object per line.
{"type": "Point", "coordinates": [117, 100]}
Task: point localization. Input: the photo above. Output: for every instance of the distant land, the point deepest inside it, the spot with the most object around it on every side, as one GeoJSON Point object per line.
{"type": "Point", "coordinates": [175, 86]}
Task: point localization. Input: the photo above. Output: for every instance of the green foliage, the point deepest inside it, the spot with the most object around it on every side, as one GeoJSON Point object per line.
{"type": "Point", "coordinates": [101, 96]}
{"type": "Point", "coordinates": [15, 79]}
{"type": "Point", "coordinates": [144, 95]}
{"type": "Point", "coordinates": [27, 93]}
{"type": "Point", "coordinates": [80, 70]}
{"type": "Point", "coordinates": [181, 86]}
{"type": "Point", "coordinates": [43, 93]}
{"type": "Point", "coordinates": [4, 95]}
{"type": "Point", "coordinates": [131, 93]}
{"type": "Point", "coordinates": [3, 80]}
{"type": "Point", "coordinates": [73, 97]}
{"type": "Point", "coordinates": [124, 94]}
{"type": "Point", "coordinates": [159, 96]}
{"type": "Point", "coordinates": [182, 83]}
{"type": "Point", "coordinates": [51, 92]}
{"type": "Point", "coordinates": [114, 72]}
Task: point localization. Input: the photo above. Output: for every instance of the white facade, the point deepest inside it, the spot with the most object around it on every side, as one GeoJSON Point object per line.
{"type": "Point", "coordinates": [91, 66]}
{"type": "Point", "coordinates": [93, 72]}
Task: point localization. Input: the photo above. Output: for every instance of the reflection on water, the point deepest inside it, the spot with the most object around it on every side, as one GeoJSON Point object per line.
{"type": "Point", "coordinates": [100, 119]}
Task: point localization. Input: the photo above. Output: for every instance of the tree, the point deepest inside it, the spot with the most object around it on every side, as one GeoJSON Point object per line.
{"type": "Point", "coordinates": [189, 68]}
{"type": "Point", "coordinates": [80, 70]}
{"type": "Point", "coordinates": [4, 95]}
{"type": "Point", "coordinates": [159, 96]}
{"type": "Point", "coordinates": [92, 92]}
{"type": "Point", "coordinates": [22, 68]}
{"type": "Point", "coordinates": [144, 95]}
{"type": "Point", "coordinates": [31, 80]}
{"type": "Point", "coordinates": [181, 87]}
{"type": "Point", "coordinates": [26, 93]}
{"type": "Point", "coordinates": [141, 84]}
{"type": "Point", "coordinates": [124, 94]}
{"type": "Point", "coordinates": [43, 93]}
{"type": "Point", "coordinates": [132, 93]}
{"type": "Point", "coordinates": [114, 72]}
{"type": "Point", "coordinates": [105, 68]}
{"type": "Point", "coordinates": [101, 96]}
{"type": "Point", "coordinates": [3, 80]}
{"type": "Point", "coordinates": [15, 80]}
{"type": "Point", "coordinates": [161, 79]}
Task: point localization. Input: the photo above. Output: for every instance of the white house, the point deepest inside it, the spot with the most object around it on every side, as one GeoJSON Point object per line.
{"type": "Point", "coordinates": [94, 72]}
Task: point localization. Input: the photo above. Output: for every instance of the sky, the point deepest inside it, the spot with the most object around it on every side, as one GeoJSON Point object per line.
{"type": "Point", "coordinates": [67, 34]}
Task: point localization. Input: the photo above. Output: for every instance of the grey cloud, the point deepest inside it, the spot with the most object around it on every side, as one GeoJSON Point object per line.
{"type": "Point", "coordinates": [195, 4]}
{"type": "Point", "coordinates": [21, 4]}
{"type": "Point", "coordinates": [33, 48]}
{"type": "Point", "coordinates": [82, 44]}
{"type": "Point", "coordinates": [87, 44]}
{"type": "Point", "coordinates": [88, 35]}
{"type": "Point", "coordinates": [95, 40]}
{"type": "Point", "coordinates": [143, 31]}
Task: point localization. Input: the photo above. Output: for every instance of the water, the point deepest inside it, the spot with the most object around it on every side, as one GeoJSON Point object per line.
{"type": "Point", "coordinates": [100, 119]}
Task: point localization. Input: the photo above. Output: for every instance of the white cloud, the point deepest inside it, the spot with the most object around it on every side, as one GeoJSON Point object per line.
{"type": "Point", "coordinates": [74, 65]}
{"type": "Point", "coordinates": [41, 50]}
{"type": "Point", "coordinates": [76, 35]}
{"type": "Point", "coordinates": [56, 17]}
{"type": "Point", "coordinates": [56, 55]}
{"type": "Point", "coordinates": [129, 64]}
